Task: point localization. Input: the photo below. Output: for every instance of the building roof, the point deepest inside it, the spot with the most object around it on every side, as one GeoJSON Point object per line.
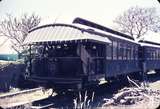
{"type": "Point", "coordinates": [61, 33]}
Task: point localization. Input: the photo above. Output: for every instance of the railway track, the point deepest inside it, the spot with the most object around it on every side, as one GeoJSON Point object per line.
{"type": "Point", "coordinates": [18, 93]}
{"type": "Point", "coordinates": [22, 98]}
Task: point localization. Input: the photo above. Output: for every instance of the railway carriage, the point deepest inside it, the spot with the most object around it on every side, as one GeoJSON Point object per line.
{"type": "Point", "coordinates": [69, 57]}
{"type": "Point", "coordinates": [65, 56]}
{"type": "Point", "coordinates": [151, 55]}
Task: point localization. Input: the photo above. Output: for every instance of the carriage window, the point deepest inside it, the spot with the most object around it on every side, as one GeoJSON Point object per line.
{"type": "Point", "coordinates": [148, 55]}
{"type": "Point", "coordinates": [120, 51]}
{"type": "Point", "coordinates": [114, 50]}
{"type": "Point", "coordinates": [136, 53]}
{"type": "Point", "coordinates": [158, 54]}
{"type": "Point", "coordinates": [133, 52]}
{"type": "Point", "coordinates": [128, 52]}
{"type": "Point", "coordinates": [100, 49]}
{"type": "Point", "coordinates": [37, 51]}
{"type": "Point", "coordinates": [124, 52]}
{"type": "Point", "coordinates": [109, 51]}
{"type": "Point", "coordinates": [154, 54]}
{"type": "Point", "coordinates": [151, 53]}
{"type": "Point", "coordinates": [95, 50]}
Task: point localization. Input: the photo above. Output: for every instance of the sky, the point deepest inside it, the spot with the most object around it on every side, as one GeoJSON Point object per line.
{"type": "Point", "coordinates": [64, 11]}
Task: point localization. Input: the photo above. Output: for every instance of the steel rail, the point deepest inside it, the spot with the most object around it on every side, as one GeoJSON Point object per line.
{"type": "Point", "coordinates": [19, 92]}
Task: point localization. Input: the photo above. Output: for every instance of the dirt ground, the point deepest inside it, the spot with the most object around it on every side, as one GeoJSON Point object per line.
{"type": "Point", "coordinates": [152, 103]}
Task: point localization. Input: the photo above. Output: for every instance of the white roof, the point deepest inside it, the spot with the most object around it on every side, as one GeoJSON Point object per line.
{"type": "Point", "coordinates": [58, 33]}
{"type": "Point", "coordinates": [150, 45]}
{"type": "Point", "coordinates": [107, 33]}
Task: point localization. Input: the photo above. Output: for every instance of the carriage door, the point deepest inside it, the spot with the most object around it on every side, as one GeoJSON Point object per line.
{"type": "Point", "coordinates": [98, 57]}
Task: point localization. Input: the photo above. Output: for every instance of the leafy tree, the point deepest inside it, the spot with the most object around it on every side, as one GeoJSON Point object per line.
{"type": "Point", "coordinates": [138, 21]}
{"type": "Point", "coordinates": [17, 29]}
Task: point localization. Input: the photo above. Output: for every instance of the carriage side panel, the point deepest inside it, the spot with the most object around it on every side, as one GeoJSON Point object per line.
{"type": "Point", "coordinates": [121, 58]}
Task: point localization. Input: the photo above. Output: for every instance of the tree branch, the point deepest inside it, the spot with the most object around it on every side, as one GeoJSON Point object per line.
{"type": "Point", "coordinates": [17, 29]}
{"type": "Point", "coordinates": [138, 21]}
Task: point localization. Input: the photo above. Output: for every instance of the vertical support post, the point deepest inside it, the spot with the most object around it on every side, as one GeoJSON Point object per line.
{"type": "Point", "coordinates": [141, 55]}
{"type": "Point", "coordinates": [88, 66]}
{"type": "Point", "coordinates": [144, 75]}
{"type": "Point", "coordinates": [30, 59]}
{"type": "Point", "coordinates": [105, 59]}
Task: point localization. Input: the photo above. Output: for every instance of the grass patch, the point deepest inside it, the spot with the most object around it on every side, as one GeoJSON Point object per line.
{"type": "Point", "coordinates": [84, 101]}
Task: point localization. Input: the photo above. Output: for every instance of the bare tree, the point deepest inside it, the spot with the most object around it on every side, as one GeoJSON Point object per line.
{"type": "Point", "coordinates": [138, 21]}
{"type": "Point", "coordinates": [16, 29]}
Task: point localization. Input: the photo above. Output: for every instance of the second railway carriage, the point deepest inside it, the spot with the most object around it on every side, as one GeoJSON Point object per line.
{"type": "Point", "coordinates": [150, 53]}
{"type": "Point", "coordinates": [67, 56]}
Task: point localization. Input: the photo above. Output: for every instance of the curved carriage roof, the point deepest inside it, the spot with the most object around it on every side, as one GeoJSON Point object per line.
{"type": "Point", "coordinates": [62, 33]}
